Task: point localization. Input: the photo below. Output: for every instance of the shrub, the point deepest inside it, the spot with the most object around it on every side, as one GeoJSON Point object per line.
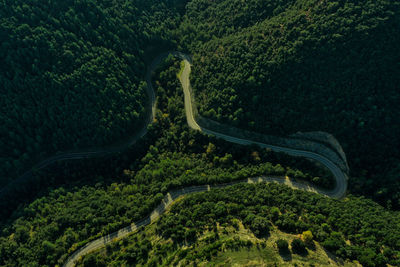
{"type": "Point", "coordinates": [282, 245]}
{"type": "Point", "coordinates": [298, 246]}
{"type": "Point", "coordinates": [260, 226]}
{"type": "Point", "coordinates": [308, 237]}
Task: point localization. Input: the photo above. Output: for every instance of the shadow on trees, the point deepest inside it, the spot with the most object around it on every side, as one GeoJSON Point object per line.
{"type": "Point", "coordinates": [285, 255]}
{"type": "Point", "coordinates": [72, 174]}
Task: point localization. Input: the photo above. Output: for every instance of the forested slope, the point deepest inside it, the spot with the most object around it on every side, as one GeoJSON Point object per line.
{"type": "Point", "coordinates": [107, 194]}
{"type": "Point", "coordinates": [222, 244]}
{"type": "Point", "coordinates": [305, 65]}
{"type": "Point", "coordinates": [372, 239]}
{"type": "Point", "coordinates": [71, 74]}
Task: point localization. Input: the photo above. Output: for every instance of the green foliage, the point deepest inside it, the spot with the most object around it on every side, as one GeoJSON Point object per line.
{"type": "Point", "coordinates": [73, 215]}
{"type": "Point", "coordinates": [356, 219]}
{"type": "Point", "coordinates": [334, 242]}
{"type": "Point", "coordinates": [72, 75]}
{"type": "Point", "coordinates": [280, 67]}
{"type": "Point", "coordinates": [307, 237]}
{"type": "Point", "coordinates": [274, 213]}
{"type": "Point", "coordinates": [260, 226]}
{"type": "Point", "coordinates": [282, 245]}
{"type": "Point", "coordinates": [92, 261]}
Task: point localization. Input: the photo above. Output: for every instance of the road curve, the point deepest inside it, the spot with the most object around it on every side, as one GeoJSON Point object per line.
{"type": "Point", "coordinates": [340, 177]}
{"type": "Point", "coordinates": [168, 200]}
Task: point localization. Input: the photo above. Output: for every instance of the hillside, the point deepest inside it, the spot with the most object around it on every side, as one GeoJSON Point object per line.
{"type": "Point", "coordinates": [275, 67]}
{"type": "Point", "coordinates": [280, 67]}
{"type": "Point", "coordinates": [76, 75]}
{"type": "Point", "coordinates": [47, 230]}
{"type": "Point", "coordinates": [72, 75]}
{"type": "Point", "coordinates": [221, 245]}
{"type": "Point", "coordinates": [207, 228]}
{"type": "Point", "coordinates": [88, 200]}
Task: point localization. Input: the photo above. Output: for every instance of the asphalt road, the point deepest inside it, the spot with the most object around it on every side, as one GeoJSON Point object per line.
{"type": "Point", "coordinates": [340, 177]}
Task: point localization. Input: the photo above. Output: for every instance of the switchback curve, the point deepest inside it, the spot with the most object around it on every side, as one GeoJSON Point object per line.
{"type": "Point", "coordinates": [340, 177]}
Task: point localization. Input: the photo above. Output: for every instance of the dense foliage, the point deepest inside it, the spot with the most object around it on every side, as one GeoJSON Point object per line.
{"type": "Point", "coordinates": [226, 244]}
{"type": "Point", "coordinates": [372, 239]}
{"type": "Point", "coordinates": [42, 232]}
{"type": "Point", "coordinates": [72, 74]}
{"type": "Point", "coordinates": [67, 215]}
{"type": "Point", "coordinates": [374, 235]}
{"type": "Point", "coordinates": [72, 77]}
{"type": "Point", "coordinates": [305, 65]}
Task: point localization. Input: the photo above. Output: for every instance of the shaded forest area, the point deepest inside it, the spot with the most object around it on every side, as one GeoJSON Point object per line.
{"type": "Point", "coordinates": [72, 74]}
{"type": "Point", "coordinates": [280, 67]}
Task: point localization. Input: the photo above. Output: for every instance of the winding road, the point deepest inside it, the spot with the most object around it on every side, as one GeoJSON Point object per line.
{"type": "Point", "coordinates": [340, 176]}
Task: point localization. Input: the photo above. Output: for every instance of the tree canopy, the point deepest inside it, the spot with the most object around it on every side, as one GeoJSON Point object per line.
{"type": "Point", "coordinates": [72, 74]}
{"type": "Point", "coordinates": [280, 67]}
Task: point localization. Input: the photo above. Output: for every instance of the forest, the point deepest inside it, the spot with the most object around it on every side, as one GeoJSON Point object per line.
{"type": "Point", "coordinates": [72, 74]}
{"type": "Point", "coordinates": [282, 67]}
{"type": "Point", "coordinates": [73, 77]}
{"type": "Point", "coordinates": [100, 197]}
{"type": "Point", "coordinates": [89, 204]}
